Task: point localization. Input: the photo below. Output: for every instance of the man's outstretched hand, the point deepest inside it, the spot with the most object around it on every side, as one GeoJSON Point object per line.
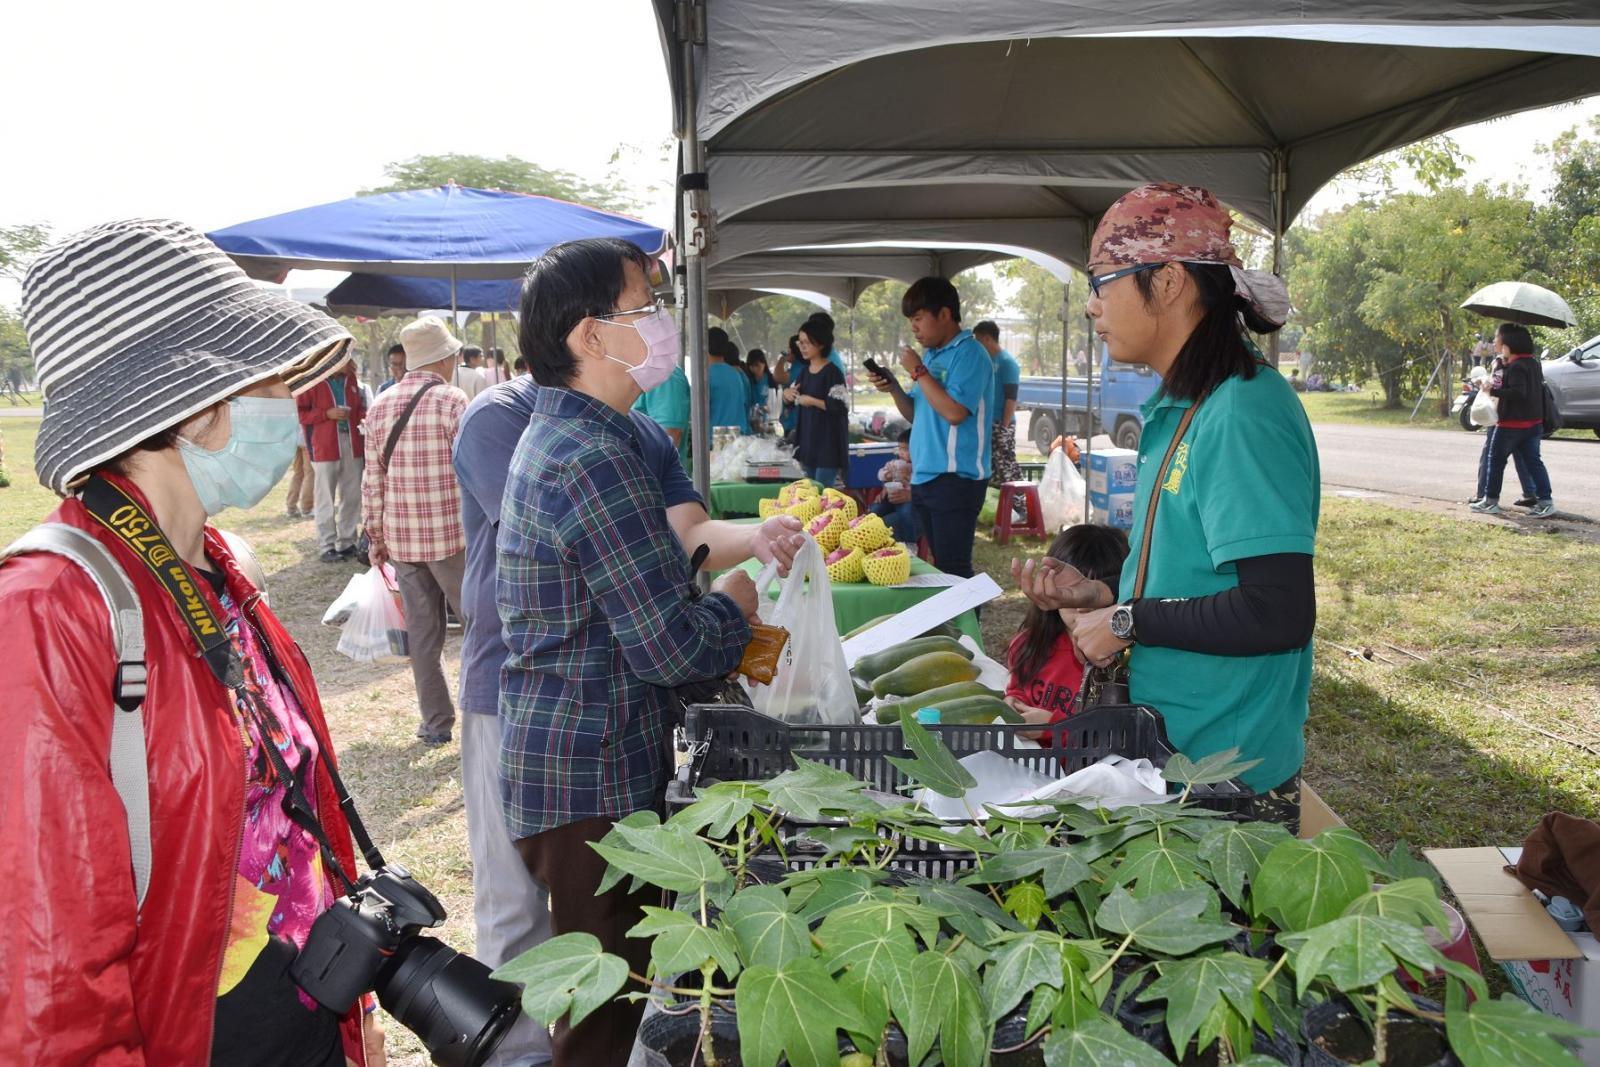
{"type": "Point", "coordinates": [1051, 585]}
{"type": "Point", "coordinates": [778, 539]}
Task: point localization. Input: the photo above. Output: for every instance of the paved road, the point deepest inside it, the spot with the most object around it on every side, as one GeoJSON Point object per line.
{"type": "Point", "coordinates": [1442, 465]}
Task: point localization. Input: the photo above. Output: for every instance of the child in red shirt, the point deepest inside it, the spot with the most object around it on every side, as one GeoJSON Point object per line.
{"type": "Point", "coordinates": [1046, 670]}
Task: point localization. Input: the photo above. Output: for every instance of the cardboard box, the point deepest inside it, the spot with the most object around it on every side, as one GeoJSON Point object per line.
{"type": "Point", "coordinates": [1553, 970]}
{"type": "Point", "coordinates": [1112, 510]}
{"type": "Point", "coordinates": [1113, 470]}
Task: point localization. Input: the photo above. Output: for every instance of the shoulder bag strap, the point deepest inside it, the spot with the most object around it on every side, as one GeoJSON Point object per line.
{"type": "Point", "coordinates": [400, 423]}
{"type": "Point", "coordinates": [129, 772]}
{"type": "Point", "coordinates": [1155, 496]}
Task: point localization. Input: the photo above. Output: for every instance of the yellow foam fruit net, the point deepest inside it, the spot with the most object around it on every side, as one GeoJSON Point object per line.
{"type": "Point", "coordinates": [795, 492]}
{"type": "Point", "coordinates": [826, 528]}
{"type": "Point", "coordinates": [769, 507]}
{"type": "Point", "coordinates": [833, 500]}
{"type": "Point", "coordinates": [868, 535]}
{"type": "Point", "coordinates": [888, 570]}
{"type": "Point", "coordinates": [848, 569]}
{"type": "Point", "coordinates": [806, 509]}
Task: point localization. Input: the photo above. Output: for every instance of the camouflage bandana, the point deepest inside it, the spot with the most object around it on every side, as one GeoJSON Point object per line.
{"type": "Point", "coordinates": [1168, 223]}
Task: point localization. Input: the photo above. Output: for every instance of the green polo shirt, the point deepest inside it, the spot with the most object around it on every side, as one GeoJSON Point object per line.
{"type": "Point", "coordinates": [1245, 482]}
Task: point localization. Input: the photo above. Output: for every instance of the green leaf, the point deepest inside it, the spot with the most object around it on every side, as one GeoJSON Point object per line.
{"type": "Point", "coordinates": [681, 944]}
{"type": "Point", "coordinates": [868, 917]}
{"type": "Point", "coordinates": [1234, 852]}
{"type": "Point", "coordinates": [1169, 923]}
{"type": "Point", "coordinates": [874, 948]}
{"type": "Point", "coordinates": [768, 933]}
{"type": "Point", "coordinates": [966, 910]}
{"type": "Point", "coordinates": [1217, 767]}
{"type": "Point", "coordinates": [1194, 987]}
{"type": "Point", "coordinates": [1060, 867]}
{"type": "Point", "coordinates": [1157, 866]}
{"type": "Point", "coordinates": [1302, 884]}
{"type": "Point", "coordinates": [931, 763]}
{"type": "Point", "coordinates": [1495, 1033]}
{"type": "Point", "coordinates": [1020, 966]}
{"type": "Point", "coordinates": [1025, 902]}
{"type": "Point", "coordinates": [566, 973]}
{"type": "Point", "coordinates": [715, 813]}
{"type": "Point", "coordinates": [1400, 864]}
{"type": "Point", "coordinates": [839, 840]}
{"type": "Point", "coordinates": [1040, 1008]}
{"type": "Point", "coordinates": [1413, 900]}
{"type": "Point", "coordinates": [796, 1011]}
{"type": "Point", "coordinates": [1345, 840]}
{"type": "Point", "coordinates": [615, 875]}
{"type": "Point", "coordinates": [1080, 999]}
{"type": "Point", "coordinates": [1100, 1043]}
{"type": "Point", "coordinates": [667, 856]}
{"type": "Point", "coordinates": [812, 788]}
{"type": "Point", "coordinates": [1356, 950]}
{"type": "Point", "coordinates": [833, 887]}
{"type": "Point", "coordinates": [945, 1005]}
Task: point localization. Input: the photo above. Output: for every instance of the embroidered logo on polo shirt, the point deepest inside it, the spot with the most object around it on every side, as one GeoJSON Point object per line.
{"type": "Point", "coordinates": [1180, 466]}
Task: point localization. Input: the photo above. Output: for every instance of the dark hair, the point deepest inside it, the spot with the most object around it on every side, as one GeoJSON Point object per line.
{"type": "Point", "coordinates": [718, 344]}
{"type": "Point", "coordinates": [794, 346]}
{"type": "Point", "coordinates": [397, 347]}
{"type": "Point", "coordinates": [470, 352]}
{"type": "Point", "coordinates": [1215, 351]}
{"type": "Point", "coordinates": [930, 294]}
{"type": "Point", "coordinates": [569, 283]}
{"type": "Point", "coordinates": [822, 318]}
{"type": "Point", "coordinates": [520, 364]}
{"type": "Point", "coordinates": [756, 356]}
{"type": "Point", "coordinates": [159, 441]}
{"type": "Point", "coordinates": [1097, 551]}
{"type": "Point", "coordinates": [820, 329]}
{"type": "Point", "coordinates": [988, 329]}
{"type": "Point", "coordinates": [1515, 337]}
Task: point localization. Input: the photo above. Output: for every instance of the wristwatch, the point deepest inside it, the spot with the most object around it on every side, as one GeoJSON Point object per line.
{"type": "Point", "coordinates": [1122, 623]}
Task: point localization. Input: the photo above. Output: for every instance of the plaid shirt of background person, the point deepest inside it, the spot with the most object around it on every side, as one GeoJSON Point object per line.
{"type": "Point", "coordinates": [592, 591]}
{"type": "Point", "coordinates": [413, 510]}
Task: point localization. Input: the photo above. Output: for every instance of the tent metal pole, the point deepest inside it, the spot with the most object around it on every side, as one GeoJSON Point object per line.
{"type": "Point", "coordinates": [1280, 197]}
{"type": "Point", "coordinates": [455, 320]}
{"type": "Point", "coordinates": [693, 241]}
{"type": "Point", "coordinates": [855, 294]}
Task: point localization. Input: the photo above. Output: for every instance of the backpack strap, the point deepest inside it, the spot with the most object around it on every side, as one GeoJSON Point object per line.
{"type": "Point", "coordinates": [129, 772]}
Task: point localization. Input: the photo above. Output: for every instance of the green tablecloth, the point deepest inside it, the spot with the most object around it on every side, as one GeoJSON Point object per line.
{"type": "Point", "coordinates": [731, 500]}
{"type": "Point", "coordinates": [856, 604]}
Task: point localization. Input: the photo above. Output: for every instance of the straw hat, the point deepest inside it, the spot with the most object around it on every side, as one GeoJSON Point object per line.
{"type": "Point", "coordinates": [135, 326]}
{"type": "Point", "coordinates": [427, 340]}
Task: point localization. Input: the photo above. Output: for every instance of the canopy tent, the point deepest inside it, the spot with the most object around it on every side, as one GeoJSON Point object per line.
{"type": "Point", "coordinates": [371, 295]}
{"type": "Point", "coordinates": [1048, 112]}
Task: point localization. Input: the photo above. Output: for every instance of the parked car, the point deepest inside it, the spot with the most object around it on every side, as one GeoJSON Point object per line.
{"type": "Point", "coordinates": [1572, 382]}
{"type": "Point", "coordinates": [1119, 390]}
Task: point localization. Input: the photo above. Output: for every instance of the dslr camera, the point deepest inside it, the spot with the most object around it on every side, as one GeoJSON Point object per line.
{"type": "Point", "coordinates": [371, 940]}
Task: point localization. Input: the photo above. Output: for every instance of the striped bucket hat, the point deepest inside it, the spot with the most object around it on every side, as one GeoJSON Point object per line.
{"type": "Point", "coordinates": [137, 325]}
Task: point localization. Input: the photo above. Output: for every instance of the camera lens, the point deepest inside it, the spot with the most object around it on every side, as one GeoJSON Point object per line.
{"type": "Point", "coordinates": [448, 1000]}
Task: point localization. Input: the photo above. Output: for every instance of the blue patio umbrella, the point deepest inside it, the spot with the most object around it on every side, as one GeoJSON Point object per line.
{"type": "Point", "coordinates": [450, 232]}
{"type": "Point", "coordinates": [375, 294]}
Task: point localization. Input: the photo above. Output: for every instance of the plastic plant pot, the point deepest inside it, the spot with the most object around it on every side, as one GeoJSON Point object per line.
{"type": "Point", "coordinates": [1334, 1035]}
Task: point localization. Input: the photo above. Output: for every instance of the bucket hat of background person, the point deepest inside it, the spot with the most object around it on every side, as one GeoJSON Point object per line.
{"type": "Point", "coordinates": [137, 325]}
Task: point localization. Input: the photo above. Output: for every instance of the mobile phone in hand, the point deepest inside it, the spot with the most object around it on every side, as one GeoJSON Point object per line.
{"type": "Point", "coordinates": [873, 367]}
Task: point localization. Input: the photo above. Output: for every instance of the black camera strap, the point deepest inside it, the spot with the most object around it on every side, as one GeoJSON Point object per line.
{"type": "Point", "coordinates": [118, 512]}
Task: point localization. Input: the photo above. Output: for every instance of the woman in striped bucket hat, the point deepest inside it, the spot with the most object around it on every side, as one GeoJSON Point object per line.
{"type": "Point", "coordinates": [160, 932]}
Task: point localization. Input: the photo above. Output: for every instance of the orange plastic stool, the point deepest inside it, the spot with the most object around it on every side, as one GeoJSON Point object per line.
{"type": "Point", "coordinates": [1004, 528]}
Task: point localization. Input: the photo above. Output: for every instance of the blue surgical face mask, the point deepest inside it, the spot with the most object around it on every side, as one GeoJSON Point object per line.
{"type": "Point", "coordinates": [260, 448]}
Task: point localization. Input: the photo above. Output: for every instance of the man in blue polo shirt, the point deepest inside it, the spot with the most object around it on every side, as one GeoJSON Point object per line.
{"type": "Point", "coordinates": [1007, 378]}
{"type": "Point", "coordinates": [950, 407]}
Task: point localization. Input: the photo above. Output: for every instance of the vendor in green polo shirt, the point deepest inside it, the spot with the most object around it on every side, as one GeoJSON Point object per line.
{"type": "Point", "coordinates": [1225, 517]}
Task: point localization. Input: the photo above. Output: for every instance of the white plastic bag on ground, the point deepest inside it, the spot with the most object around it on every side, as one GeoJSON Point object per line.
{"type": "Point", "coordinates": [338, 612]}
{"type": "Point", "coordinates": [375, 632]}
{"type": "Point", "coordinates": [1485, 409]}
{"type": "Point", "coordinates": [1061, 492]}
{"type": "Point", "coordinates": [812, 683]}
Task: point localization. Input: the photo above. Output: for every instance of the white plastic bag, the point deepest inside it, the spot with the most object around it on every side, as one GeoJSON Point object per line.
{"type": "Point", "coordinates": [375, 632]}
{"type": "Point", "coordinates": [338, 612]}
{"type": "Point", "coordinates": [812, 683]}
{"type": "Point", "coordinates": [1485, 409]}
{"type": "Point", "coordinates": [1061, 492]}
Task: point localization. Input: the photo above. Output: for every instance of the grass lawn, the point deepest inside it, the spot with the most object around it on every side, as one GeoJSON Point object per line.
{"type": "Point", "coordinates": [1477, 711]}
{"type": "Point", "coordinates": [1366, 408]}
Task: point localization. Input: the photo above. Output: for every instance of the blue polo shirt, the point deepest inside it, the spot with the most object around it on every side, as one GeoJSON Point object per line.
{"type": "Point", "coordinates": [485, 442]}
{"type": "Point", "coordinates": [668, 405]}
{"type": "Point", "coordinates": [730, 397]}
{"type": "Point", "coordinates": [1244, 482]}
{"type": "Point", "coordinates": [966, 371]}
{"type": "Point", "coordinates": [1007, 371]}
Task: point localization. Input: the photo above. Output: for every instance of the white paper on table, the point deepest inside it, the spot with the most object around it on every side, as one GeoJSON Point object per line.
{"type": "Point", "coordinates": [939, 580]}
{"type": "Point", "coordinates": [941, 607]}
{"type": "Point", "coordinates": [1114, 782]}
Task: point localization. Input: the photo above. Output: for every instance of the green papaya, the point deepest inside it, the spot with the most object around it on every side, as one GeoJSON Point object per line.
{"type": "Point", "coordinates": [880, 663]}
{"type": "Point", "coordinates": [927, 671]}
{"type": "Point", "coordinates": [933, 698]}
{"type": "Point", "coordinates": [977, 711]}
{"type": "Point", "coordinates": [864, 627]}
{"type": "Point", "coordinates": [863, 691]}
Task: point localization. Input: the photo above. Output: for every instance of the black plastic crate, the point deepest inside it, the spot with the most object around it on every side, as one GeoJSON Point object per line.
{"type": "Point", "coordinates": [734, 743]}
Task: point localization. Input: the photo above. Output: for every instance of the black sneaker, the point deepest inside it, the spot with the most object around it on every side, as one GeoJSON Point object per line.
{"type": "Point", "coordinates": [331, 556]}
{"type": "Point", "coordinates": [1525, 502]}
{"type": "Point", "coordinates": [348, 553]}
{"type": "Point", "coordinates": [434, 739]}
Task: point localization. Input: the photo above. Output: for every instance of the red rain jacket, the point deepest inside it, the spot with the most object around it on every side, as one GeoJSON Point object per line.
{"type": "Point", "coordinates": [320, 434]}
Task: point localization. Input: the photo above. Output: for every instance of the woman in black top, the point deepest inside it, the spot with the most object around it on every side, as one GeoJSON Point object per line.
{"type": "Point", "coordinates": [821, 430]}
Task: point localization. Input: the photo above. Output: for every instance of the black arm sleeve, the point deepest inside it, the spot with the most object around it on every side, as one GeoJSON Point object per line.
{"type": "Point", "coordinates": [1272, 609]}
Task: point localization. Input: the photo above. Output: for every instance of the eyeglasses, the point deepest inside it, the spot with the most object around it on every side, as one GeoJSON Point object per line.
{"type": "Point", "coordinates": [654, 306]}
{"type": "Point", "coordinates": [1098, 280]}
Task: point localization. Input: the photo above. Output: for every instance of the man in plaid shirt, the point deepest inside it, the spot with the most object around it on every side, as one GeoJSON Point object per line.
{"type": "Point", "coordinates": [412, 506]}
{"type": "Point", "coordinates": [592, 588]}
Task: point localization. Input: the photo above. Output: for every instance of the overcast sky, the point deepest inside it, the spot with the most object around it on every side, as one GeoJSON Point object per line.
{"type": "Point", "coordinates": [219, 113]}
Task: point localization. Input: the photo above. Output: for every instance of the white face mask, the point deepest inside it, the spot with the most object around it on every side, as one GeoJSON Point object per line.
{"type": "Point", "coordinates": [260, 448]}
{"type": "Point", "coordinates": [660, 336]}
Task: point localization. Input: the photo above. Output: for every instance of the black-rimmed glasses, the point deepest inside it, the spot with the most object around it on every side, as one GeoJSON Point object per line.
{"type": "Point", "coordinates": [1098, 280]}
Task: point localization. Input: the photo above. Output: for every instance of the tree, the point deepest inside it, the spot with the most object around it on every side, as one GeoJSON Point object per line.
{"type": "Point", "coordinates": [769, 322]}
{"type": "Point", "coordinates": [18, 247]}
{"type": "Point", "coordinates": [511, 174]}
{"type": "Point", "coordinates": [1566, 250]}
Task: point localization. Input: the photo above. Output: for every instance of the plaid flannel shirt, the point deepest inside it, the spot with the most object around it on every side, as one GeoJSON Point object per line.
{"type": "Point", "coordinates": [592, 590]}
{"type": "Point", "coordinates": [412, 511]}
